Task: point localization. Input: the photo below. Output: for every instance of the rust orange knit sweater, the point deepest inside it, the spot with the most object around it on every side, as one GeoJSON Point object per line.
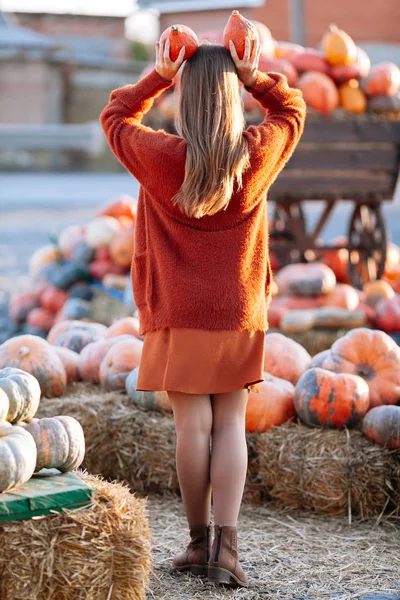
{"type": "Point", "coordinates": [213, 272]}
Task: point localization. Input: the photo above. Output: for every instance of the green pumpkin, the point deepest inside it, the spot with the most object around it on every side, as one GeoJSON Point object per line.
{"type": "Point", "coordinates": [23, 392]}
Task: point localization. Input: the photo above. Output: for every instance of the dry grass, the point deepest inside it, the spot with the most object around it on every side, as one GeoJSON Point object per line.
{"type": "Point", "coordinates": [97, 553]}
{"type": "Point", "coordinates": [316, 340]}
{"type": "Point", "coordinates": [286, 556]}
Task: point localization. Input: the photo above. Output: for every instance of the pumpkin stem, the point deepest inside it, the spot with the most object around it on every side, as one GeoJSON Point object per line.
{"type": "Point", "coordinates": [333, 28]}
{"type": "Point", "coordinates": [235, 13]}
{"type": "Point", "coordinates": [23, 351]}
{"type": "Point", "coordinates": [175, 28]}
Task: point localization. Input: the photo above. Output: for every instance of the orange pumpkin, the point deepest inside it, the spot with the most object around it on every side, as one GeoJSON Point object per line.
{"type": "Point", "coordinates": [338, 258]}
{"type": "Point", "coordinates": [342, 296]}
{"type": "Point", "coordinates": [352, 98]}
{"type": "Point", "coordinates": [359, 69]}
{"type": "Point", "coordinates": [279, 66]}
{"type": "Point", "coordinates": [310, 279]}
{"type": "Point", "coordinates": [267, 43]}
{"type": "Point", "coordinates": [372, 355]}
{"type": "Point", "coordinates": [338, 47]}
{"type": "Point", "coordinates": [383, 79]}
{"type": "Point", "coordinates": [377, 290]}
{"type": "Point", "coordinates": [92, 356]}
{"type": "Point", "coordinates": [70, 360]}
{"type": "Point", "coordinates": [382, 425]}
{"type": "Point", "coordinates": [119, 361]}
{"type": "Point", "coordinates": [310, 60]}
{"type": "Point", "coordinates": [179, 36]}
{"type": "Point", "coordinates": [124, 205]}
{"type": "Point", "coordinates": [250, 103]}
{"type": "Point", "coordinates": [287, 50]}
{"type": "Point", "coordinates": [20, 306]}
{"type": "Point", "coordinates": [319, 91]}
{"type": "Point", "coordinates": [121, 248]}
{"type": "Point", "coordinates": [77, 337]}
{"type": "Point", "coordinates": [53, 299]}
{"type": "Point", "coordinates": [126, 325]}
{"type": "Point", "coordinates": [237, 29]}
{"type": "Point", "coordinates": [41, 318]}
{"type": "Point", "coordinates": [326, 399]}
{"type": "Point", "coordinates": [272, 405]}
{"type": "Point", "coordinates": [63, 326]}
{"type": "Point", "coordinates": [285, 358]}
{"type": "Point", "coordinates": [35, 356]}
{"type": "Point", "coordinates": [42, 257]}
{"type": "Point", "coordinates": [387, 315]}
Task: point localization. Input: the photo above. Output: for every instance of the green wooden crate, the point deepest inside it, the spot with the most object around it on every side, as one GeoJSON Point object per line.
{"type": "Point", "coordinates": [44, 494]}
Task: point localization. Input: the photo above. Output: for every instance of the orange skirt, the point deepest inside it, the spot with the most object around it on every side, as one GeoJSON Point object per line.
{"type": "Point", "coordinates": [196, 361]}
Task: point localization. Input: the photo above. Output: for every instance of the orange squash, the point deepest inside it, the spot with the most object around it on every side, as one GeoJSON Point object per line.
{"type": "Point", "coordinates": [338, 47]}
{"type": "Point", "coordinates": [179, 36]}
{"type": "Point", "coordinates": [124, 205]}
{"type": "Point", "coordinates": [310, 279]}
{"type": "Point", "coordinates": [35, 356]}
{"type": "Point", "coordinates": [272, 405]}
{"type": "Point", "coordinates": [237, 29]}
{"type": "Point", "coordinates": [92, 356]}
{"type": "Point", "coordinates": [319, 91]}
{"type": "Point", "coordinates": [285, 358]}
{"type": "Point", "coordinates": [326, 399]}
{"type": "Point", "coordinates": [70, 360]}
{"type": "Point", "coordinates": [126, 325]}
{"type": "Point", "coordinates": [119, 361]}
{"type": "Point", "coordinates": [382, 425]}
{"type": "Point", "coordinates": [121, 248]}
{"type": "Point", "coordinates": [383, 79]}
{"type": "Point", "coordinates": [372, 355]}
{"type": "Point", "coordinates": [352, 98]}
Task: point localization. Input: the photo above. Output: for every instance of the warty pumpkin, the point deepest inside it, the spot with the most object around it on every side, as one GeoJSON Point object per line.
{"type": "Point", "coordinates": [60, 443]}
{"type": "Point", "coordinates": [35, 356]}
{"type": "Point", "coordinates": [382, 425]}
{"type": "Point", "coordinates": [70, 360]}
{"type": "Point", "coordinates": [156, 401]}
{"type": "Point", "coordinates": [17, 456]}
{"type": "Point", "coordinates": [285, 358]}
{"type": "Point", "coordinates": [338, 47]}
{"type": "Point", "coordinates": [327, 399]}
{"type": "Point", "coordinates": [372, 355]}
{"type": "Point", "coordinates": [179, 36]}
{"type": "Point", "coordinates": [237, 29]}
{"type": "Point", "coordinates": [92, 356]}
{"type": "Point", "coordinates": [272, 405]}
{"type": "Point", "coordinates": [119, 361]}
{"type": "Point", "coordinates": [23, 394]}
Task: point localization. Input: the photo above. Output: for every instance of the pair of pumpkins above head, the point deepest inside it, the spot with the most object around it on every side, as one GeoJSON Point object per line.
{"type": "Point", "coordinates": [236, 29]}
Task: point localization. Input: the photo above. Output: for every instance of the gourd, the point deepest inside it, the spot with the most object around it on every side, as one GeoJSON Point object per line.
{"type": "Point", "coordinates": [311, 279]}
{"type": "Point", "coordinates": [119, 361]}
{"type": "Point", "coordinates": [285, 358]}
{"type": "Point", "coordinates": [338, 47]}
{"type": "Point", "coordinates": [35, 356]}
{"type": "Point", "coordinates": [60, 443]}
{"type": "Point", "coordinates": [352, 98]}
{"type": "Point", "coordinates": [70, 360]}
{"type": "Point", "coordinates": [287, 50]}
{"type": "Point", "coordinates": [92, 356]}
{"type": "Point", "coordinates": [272, 405]}
{"type": "Point", "coordinates": [328, 399]}
{"type": "Point", "coordinates": [319, 91]}
{"type": "Point", "coordinates": [22, 391]}
{"type": "Point", "coordinates": [179, 36]}
{"type": "Point", "coordinates": [157, 401]}
{"type": "Point", "coordinates": [101, 231]}
{"type": "Point", "coordinates": [4, 406]}
{"type": "Point", "coordinates": [237, 29]}
{"type": "Point", "coordinates": [382, 425]}
{"type": "Point", "coordinates": [337, 258]}
{"type": "Point", "coordinates": [17, 456]}
{"type": "Point", "coordinates": [372, 355]}
{"type": "Point", "coordinates": [126, 325]}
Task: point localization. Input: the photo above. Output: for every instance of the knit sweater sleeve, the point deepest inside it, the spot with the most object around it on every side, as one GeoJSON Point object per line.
{"type": "Point", "coordinates": [136, 146]}
{"type": "Point", "coordinates": [274, 140]}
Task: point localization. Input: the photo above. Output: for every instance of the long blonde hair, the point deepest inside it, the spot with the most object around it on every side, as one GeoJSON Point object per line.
{"type": "Point", "coordinates": [211, 121]}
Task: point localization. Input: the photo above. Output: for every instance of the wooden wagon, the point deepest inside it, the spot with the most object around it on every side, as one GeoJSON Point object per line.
{"type": "Point", "coordinates": [355, 160]}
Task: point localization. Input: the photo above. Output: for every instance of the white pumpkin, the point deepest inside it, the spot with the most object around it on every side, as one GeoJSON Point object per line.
{"type": "Point", "coordinates": [4, 406]}
{"type": "Point", "coordinates": [17, 456]}
{"type": "Point", "coordinates": [101, 231]}
{"type": "Point", "coordinates": [158, 401]}
{"type": "Point", "coordinates": [23, 392]}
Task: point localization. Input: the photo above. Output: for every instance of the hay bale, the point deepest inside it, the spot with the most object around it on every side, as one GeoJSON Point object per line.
{"type": "Point", "coordinates": [335, 472]}
{"type": "Point", "coordinates": [315, 340]}
{"type": "Point", "coordinates": [98, 553]}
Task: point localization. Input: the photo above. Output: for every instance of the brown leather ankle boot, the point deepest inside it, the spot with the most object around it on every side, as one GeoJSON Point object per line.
{"type": "Point", "coordinates": [197, 554]}
{"type": "Point", "coordinates": [224, 565]}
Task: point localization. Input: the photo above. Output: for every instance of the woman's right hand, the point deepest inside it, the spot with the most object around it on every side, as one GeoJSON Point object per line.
{"type": "Point", "coordinates": [247, 66]}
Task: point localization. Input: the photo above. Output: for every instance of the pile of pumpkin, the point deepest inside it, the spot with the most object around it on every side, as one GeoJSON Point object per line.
{"type": "Point", "coordinates": [338, 75]}
{"type": "Point", "coordinates": [64, 273]}
{"type": "Point", "coordinates": [317, 296]}
{"type": "Point", "coordinates": [27, 444]}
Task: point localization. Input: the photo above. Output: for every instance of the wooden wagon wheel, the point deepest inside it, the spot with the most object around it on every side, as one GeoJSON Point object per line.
{"type": "Point", "coordinates": [288, 220]}
{"type": "Point", "coordinates": [367, 244]}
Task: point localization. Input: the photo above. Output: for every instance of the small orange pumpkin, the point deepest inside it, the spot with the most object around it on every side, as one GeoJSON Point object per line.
{"type": "Point", "coordinates": [326, 399]}
{"type": "Point", "coordinates": [343, 296]}
{"type": "Point", "coordinates": [382, 425]}
{"type": "Point", "coordinates": [35, 356]}
{"type": "Point", "coordinates": [53, 299]}
{"type": "Point", "coordinates": [319, 91]}
{"type": "Point", "coordinates": [119, 361]}
{"type": "Point", "coordinates": [92, 356]}
{"type": "Point", "coordinates": [179, 36]}
{"type": "Point", "coordinates": [285, 358]}
{"type": "Point", "coordinates": [337, 258]}
{"type": "Point", "coordinates": [338, 47]}
{"type": "Point", "coordinates": [352, 98]}
{"type": "Point", "coordinates": [41, 318]}
{"type": "Point", "coordinates": [20, 306]}
{"type": "Point", "coordinates": [70, 360]}
{"type": "Point", "coordinates": [272, 405]}
{"type": "Point", "coordinates": [310, 60]}
{"type": "Point", "coordinates": [383, 79]}
{"type": "Point", "coordinates": [237, 29]}
{"type": "Point", "coordinates": [60, 328]}
{"type": "Point", "coordinates": [126, 325]}
{"type": "Point", "coordinates": [279, 65]}
{"type": "Point", "coordinates": [377, 290]}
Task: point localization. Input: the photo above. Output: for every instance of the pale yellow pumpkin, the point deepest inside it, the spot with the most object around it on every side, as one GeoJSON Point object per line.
{"type": "Point", "coordinates": [338, 47]}
{"type": "Point", "coordinates": [17, 456]}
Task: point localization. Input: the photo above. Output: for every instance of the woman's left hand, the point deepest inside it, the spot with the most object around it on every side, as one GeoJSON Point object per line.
{"type": "Point", "coordinates": [164, 65]}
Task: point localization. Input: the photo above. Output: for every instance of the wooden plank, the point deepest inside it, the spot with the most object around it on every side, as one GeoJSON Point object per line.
{"type": "Point", "coordinates": [352, 131]}
{"type": "Point", "coordinates": [345, 156]}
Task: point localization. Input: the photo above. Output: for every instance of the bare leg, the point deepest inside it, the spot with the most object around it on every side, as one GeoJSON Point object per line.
{"type": "Point", "coordinates": [193, 422]}
{"type": "Point", "coordinates": [228, 455]}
